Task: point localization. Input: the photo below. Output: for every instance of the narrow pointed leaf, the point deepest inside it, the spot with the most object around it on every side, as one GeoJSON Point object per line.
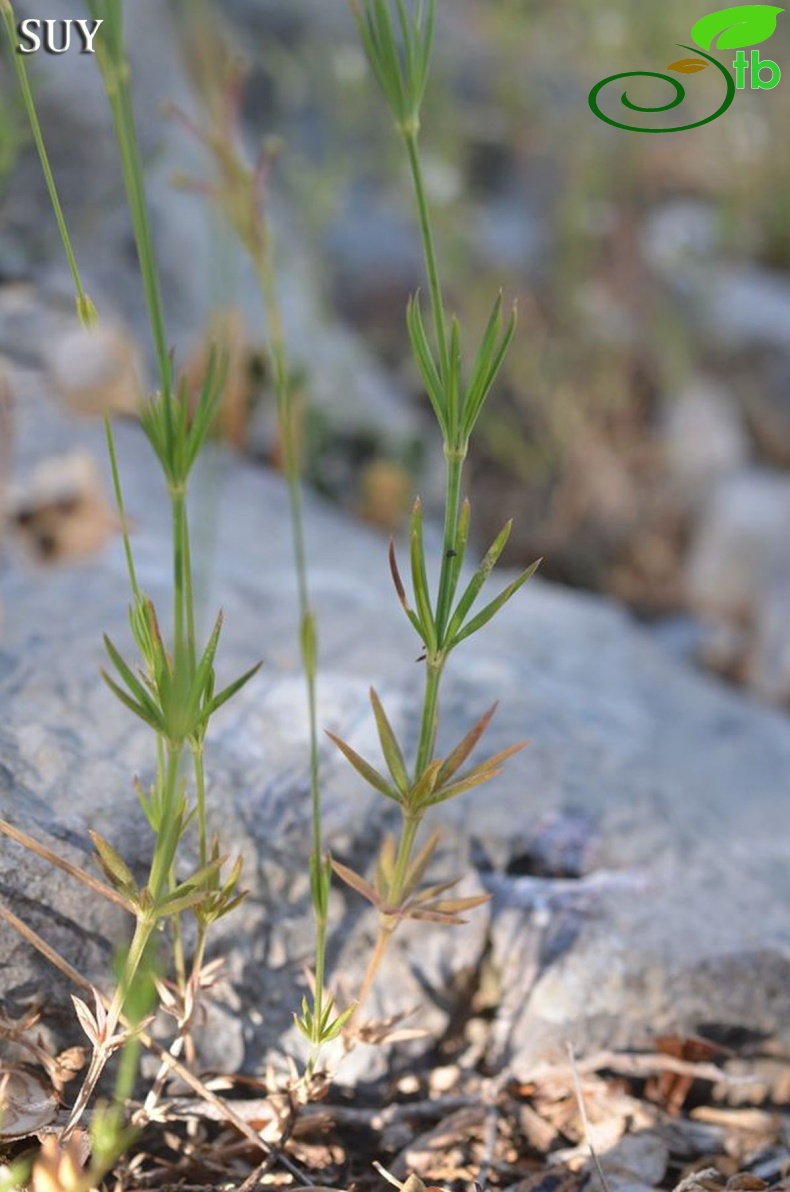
{"type": "Point", "coordinates": [410, 42]}
{"type": "Point", "coordinates": [113, 864]}
{"type": "Point", "coordinates": [491, 609]}
{"type": "Point", "coordinates": [356, 882]}
{"type": "Point", "coordinates": [477, 396]}
{"type": "Point", "coordinates": [420, 863]}
{"type": "Point", "coordinates": [487, 770]}
{"type": "Point", "coordinates": [225, 908]}
{"type": "Point", "coordinates": [334, 1028]}
{"type": "Point", "coordinates": [389, 745]}
{"type": "Point", "coordinates": [455, 906]}
{"type": "Point", "coordinates": [204, 877]}
{"type": "Point", "coordinates": [231, 689]}
{"type": "Point", "coordinates": [428, 31]}
{"type": "Point", "coordinates": [386, 62]}
{"type": "Point", "coordinates": [364, 769]}
{"type": "Point", "coordinates": [208, 403]}
{"type": "Point", "coordinates": [420, 578]}
{"type": "Point", "coordinates": [204, 668]}
{"type": "Point", "coordinates": [425, 361]}
{"type": "Point", "coordinates": [87, 1020]}
{"type": "Point", "coordinates": [136, 687]}
{"type": "Point", "coordinates": [430, 893]}
{"type": "Point", "coordinates": [428, 916]}
{"type": "Point", "coordinates": [424, 786]}
{"type": "Point", "coordinates": [151, 718]}
{"type": "Point", "coordinates": [486, 352]}
{"type": "Point", "coordinates": [477, 581]}
{"type": "Point", "coordinates": [399, 588]}
{"type": "Point", "coordinates": [175, 903]}
{"type": "Point", "coordinates": [462, 750]}
{"type": "Point", "coordinates": [454, 380]}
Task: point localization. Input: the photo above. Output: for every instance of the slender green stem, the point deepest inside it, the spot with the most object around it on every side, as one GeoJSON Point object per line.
{"type": "Point", "coordinates": [85, 308]}
{"type": "Point", "coordinates": [168, 834]}
{"type": "Point", "coordinates": [285, 414]}
{"type": "Point", "coordinates": [374, 964]}
{"type": "Point", "coordinates": [200, 791]}
{"type": "Point", "coordinates": [142, 934]}
{"type": "Point", "coordinates": [189, 595]}
{"type": "Point", "coordinates": [452, 509]}
{"type": "Point", "coordinates": [183, 595]}
{"type": "Point", "coordinates": [455, 456]}
{"type": "Point", "coordinates": [430, 717]}
{"type": "Point", "coordinates": [178, 514]}
{"type": "Point", "coordinates": [411, 825]}
{"type": "Point", "coordinates": [263, 256]}
{"type": "Point", "coordinates": [115, 71]}
{"type": "Point", "coordinates": [116, 481]}
{"type": "Point", "coordinates": [431, 263]}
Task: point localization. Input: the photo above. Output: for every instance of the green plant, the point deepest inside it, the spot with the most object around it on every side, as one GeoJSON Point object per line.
{"type": "Point", "coordinates": [239, 189]}
{"type": "Point", "coordinates": [172, 688]}
{"type": "Point", "coordinates": [399, 44]}
{"type": "Point", "coordinates": [173, 691]}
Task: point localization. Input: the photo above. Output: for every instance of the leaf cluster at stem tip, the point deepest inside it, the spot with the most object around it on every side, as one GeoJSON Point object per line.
{"type": "Point", "coordinates": [176, 431]}
{"type": "Point", "coordinates": [401, 70]}
{"type": "Point", "coordinates": [458, 402]}
{"type": "Point", "coordinates": [175, 700]}
{"type": "Point", "coordinates": [441, 633]}
{"type": "Point", "coordinates": [439, 781]}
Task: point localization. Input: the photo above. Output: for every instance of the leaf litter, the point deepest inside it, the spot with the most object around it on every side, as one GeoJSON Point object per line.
{"type": "Point", "coordinates": [689, 1115]}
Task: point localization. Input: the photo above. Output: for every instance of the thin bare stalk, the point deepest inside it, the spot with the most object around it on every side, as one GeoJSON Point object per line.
{"type": "Point", "coordinates": [371, 972]}
{"type": "Point", "coordinates": [86, 311]}
{"type": "Point", "coordinates": [59, 862]}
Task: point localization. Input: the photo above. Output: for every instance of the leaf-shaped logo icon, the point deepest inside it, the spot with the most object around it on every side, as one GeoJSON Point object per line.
{"type": "Point", "coordinates": [744, 25]}
{"type": "Point", "coordinates": [688, 65]}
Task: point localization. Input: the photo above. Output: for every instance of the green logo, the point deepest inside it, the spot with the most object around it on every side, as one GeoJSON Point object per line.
{"type": "Point", "coordinates": [736, 28]}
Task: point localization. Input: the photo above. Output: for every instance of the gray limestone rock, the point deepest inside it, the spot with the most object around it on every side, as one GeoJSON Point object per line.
{"type": "Point", "coordinates": [738, 576]}
{"type": "Point", "coordinates": [659, 903]}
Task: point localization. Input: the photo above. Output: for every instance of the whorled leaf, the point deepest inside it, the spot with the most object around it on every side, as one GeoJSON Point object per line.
{"type": "Point", "coordinates": [491, 768]}
{"type": "Point", "coordinates": [364, 769]}
{"type": "Point", "coordinates": [401, 590]}
{"type": "Point", "coordinates": [360, 884]}
{"type": "Point", "coordinates": [419, 577]}
{"type": "Point", "coordinates": [456, 759]}
{"type": "Point", "coordinates": [389, 745]}
{"type": "Point", "coordinates": [420, 863]}
{"type": "Point", "coordinates": [484, 616]}
{"type": "Point", "coordinates": [113, 866]}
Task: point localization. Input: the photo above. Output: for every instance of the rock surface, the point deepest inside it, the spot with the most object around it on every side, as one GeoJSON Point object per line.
{"type": "Point", "coordinates": [676, 917]}
{"type": "Point", "coordinates": [738, 576]}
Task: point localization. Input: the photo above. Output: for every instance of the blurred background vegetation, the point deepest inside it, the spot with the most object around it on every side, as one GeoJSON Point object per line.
{"type": "Point", "coordinates": [640, 433]}
{"type": "Point", "coordinates": [603, 237]}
